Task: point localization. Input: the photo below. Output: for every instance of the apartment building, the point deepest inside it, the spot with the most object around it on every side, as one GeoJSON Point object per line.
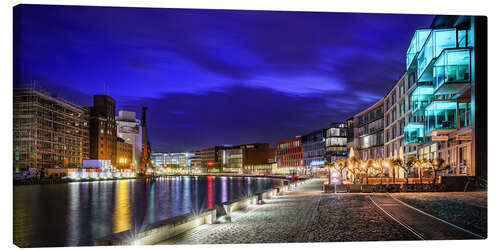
{"type": "Point", "coordinates": [435, 108]}
{"type": "Point", "coordinates": [290, 156]}
{"type": "Point", "coordinates": [441, 60]}
{"type": "Point", "coordinates": [369, 132]}
{"type": "Point", "coordinates": [336, 141]}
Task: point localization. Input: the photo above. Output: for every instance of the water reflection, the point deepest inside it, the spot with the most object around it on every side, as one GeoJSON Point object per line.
{"type": "Point", "coordinates": [121, 216]}
{"type": "Point", "coordinates": [74, 219]}
{"type": "Point", "coordinates": [75, 214]}
{"type": "Point", "coordinates": [224, 189]}
{"type": "Point", "coordinates": [151, 210]}
{"type": "Point", "coordinates": [210, 198]}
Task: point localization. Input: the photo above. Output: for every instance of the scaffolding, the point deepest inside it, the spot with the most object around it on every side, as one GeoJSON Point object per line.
{"type": "Point", "coordinates": [48, 131]}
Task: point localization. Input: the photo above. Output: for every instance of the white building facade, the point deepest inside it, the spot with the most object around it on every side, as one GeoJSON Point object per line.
{"type": "Point", "coordinates": [129, 129]}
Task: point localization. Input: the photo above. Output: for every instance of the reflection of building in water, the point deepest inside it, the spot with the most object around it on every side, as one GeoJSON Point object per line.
{"type": "Point", "coordinates": [224, 193]}
{"type": "Point", "coordinates": [210, 192]}
{"type": "Point", "coordinates": [74, 217]}
{"type": "Point", "coordinates": [151, 207]}
{"type": "Point", "coordinates": [121, 216]}
{"type": "Point", "coordinates": [129, 129]}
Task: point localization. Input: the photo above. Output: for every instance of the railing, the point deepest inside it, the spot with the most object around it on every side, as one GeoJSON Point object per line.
{"type": "Point", "coordinates": [451, 73]}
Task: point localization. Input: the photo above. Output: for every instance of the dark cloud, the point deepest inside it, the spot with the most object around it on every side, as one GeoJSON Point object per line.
{"type": "Point", "coordinates": [294, 71]}
{"type": "Point", "coordinates": [239, 114]}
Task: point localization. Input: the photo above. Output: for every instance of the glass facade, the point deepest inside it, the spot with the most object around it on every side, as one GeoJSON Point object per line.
{"type": "Point", "coordinates": [436, 42]}
{"type": "Point", "coordinates": [420, 98]}
{"type": "Point", "coordinates": [441, 115]}
{"type": "Point", "coordinates": [442, 57]}
{"type": "Point", "coordinates": [452, 66]}
{"type": "Point", "coordinates": [414, 133]}
{"type": "Point", "coordinates": [416, 44]}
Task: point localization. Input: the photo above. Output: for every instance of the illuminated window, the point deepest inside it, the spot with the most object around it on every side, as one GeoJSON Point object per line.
{"type": "Point", "coordinates": [414, 133]}
{"type": "Point", "coordinates": [452, 66]}
{"type": "Point", "coordinates": [441, 115]}
{"type": "Point", "coordinates": [420, 98]}
{"type": "Point", "coordinates": [434, 45]}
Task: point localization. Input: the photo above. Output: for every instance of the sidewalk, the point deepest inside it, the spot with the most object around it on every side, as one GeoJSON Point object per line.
{"type": "Point", "coordinates": [304, 215]}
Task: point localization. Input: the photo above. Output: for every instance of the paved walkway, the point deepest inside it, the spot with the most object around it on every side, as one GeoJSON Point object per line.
{"type": "Point", "coordinates": [304, 215]}
{"type": "Point", "coordinates": [422, 224]}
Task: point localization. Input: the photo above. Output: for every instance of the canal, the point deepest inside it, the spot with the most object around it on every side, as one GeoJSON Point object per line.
{"type": "Point", "coordinates": [75, 214]}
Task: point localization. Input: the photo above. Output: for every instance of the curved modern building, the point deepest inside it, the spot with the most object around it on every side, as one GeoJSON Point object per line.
{"type": "Point", "coordinates": [369, 132]}
{"type": "Point", "coordinates": [432, 112]}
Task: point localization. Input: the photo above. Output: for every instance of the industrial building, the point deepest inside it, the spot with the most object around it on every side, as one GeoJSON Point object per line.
{"type": "Point", "coordinates": [103, 129]}
{"type": "Point", "coordinates": [48, 131]}
{"type": "Point", "coordinates": [129, 128]}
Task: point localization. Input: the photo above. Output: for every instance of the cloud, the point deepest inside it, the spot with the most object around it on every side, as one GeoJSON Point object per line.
{"type": "Point", "coordinates": [238, 114]}
{"type": "Point", "coordinates": [216, 76]}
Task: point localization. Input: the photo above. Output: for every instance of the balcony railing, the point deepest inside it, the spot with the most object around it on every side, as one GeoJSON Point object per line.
{"type": "Point", "coordinates": [437, 41]}
{"type": "Point", "coordinates": [414, 133]}
{"type": "Point", "coordinates": [420, 98]}
{"type": "Point", "coordinates": [418, 40]}
{"type": "Point", "coordinates": [451, 67]}
{"type": "Point", "coordinates": [440, 117]}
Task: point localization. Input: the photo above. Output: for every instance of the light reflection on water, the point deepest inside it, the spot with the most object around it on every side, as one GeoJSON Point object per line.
{"type": "Point", "coordinates": [121, 216]}
{"type": "Point", "coordinates": [75, 214]}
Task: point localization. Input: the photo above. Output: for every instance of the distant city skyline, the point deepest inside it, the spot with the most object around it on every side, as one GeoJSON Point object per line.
{"type": "Point", "coordinates": [214, 77]}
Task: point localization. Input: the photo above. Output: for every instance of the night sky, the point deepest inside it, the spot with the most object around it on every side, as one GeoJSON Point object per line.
{"type": "Point", "coordinates": [213, 77]}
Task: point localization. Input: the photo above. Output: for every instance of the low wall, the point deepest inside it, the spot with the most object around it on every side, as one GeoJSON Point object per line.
{"type": "Point", "coordinates": [163, 230]}
{"type": "Point", "coordinates": [159, 231]}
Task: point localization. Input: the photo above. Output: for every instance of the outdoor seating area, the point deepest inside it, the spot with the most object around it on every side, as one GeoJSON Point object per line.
{"type": "Point", "coordinates": [383, 188]}
{"type": "Point", "coordinates": [387, 175]}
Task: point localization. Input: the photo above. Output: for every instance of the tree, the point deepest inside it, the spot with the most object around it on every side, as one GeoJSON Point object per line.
{"type": "Point", "coordinates": [422, 163]}
{"type": "Point", "coordinates": [340, 165]}
{"type": "Point", "coordinates": [437, 166]}
{"type": "Point", "coordinates": [365, 168]}
{"type": "Point", "coordinates": [410, 163]}
{"type": "Point", "coordinates": [378, 169]}
{"type": "Point", "coordinates": [353, 166]}
{"type": "Point", "coordinates": [395, 163]}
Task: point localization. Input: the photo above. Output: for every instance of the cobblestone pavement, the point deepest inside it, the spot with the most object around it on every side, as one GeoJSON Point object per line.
{"type": "Point", "coordinates": [468, 210]}
{"type": "Point", "coordinates": [304, 215]}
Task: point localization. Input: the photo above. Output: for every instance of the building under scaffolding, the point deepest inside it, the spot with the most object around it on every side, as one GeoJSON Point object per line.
{"type": "Point", "coordinates": [48, 131]}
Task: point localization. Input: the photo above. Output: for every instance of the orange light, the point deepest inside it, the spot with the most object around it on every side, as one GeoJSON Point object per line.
{"type": "Point", "coordinates": [210, 163]}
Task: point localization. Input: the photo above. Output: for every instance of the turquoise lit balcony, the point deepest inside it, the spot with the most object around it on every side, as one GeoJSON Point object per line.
{"type": "Point", "coordinates": [414, 133]}
{"type": "Point", "coordinates": [440, 118]}
{"type": "Point", "coordinates": [420, 98]}
{"type": "Point", "coordinates": [416, 44]}
{"type": "Point", "coordinates": [451, 71]}
{"type": "Point", "coordinates": [436, 42]}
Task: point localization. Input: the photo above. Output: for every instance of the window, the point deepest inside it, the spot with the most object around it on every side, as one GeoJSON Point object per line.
{"type": "Point", "coordinates": [434, 45]}
{"type": "Point", "coordinates": [441, 115]}
{"type": "Point", "coordinates": [452, 66]}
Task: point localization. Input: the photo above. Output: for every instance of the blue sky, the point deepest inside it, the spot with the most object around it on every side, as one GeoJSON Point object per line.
{"type": "Point", "coordinates": [213, 77]}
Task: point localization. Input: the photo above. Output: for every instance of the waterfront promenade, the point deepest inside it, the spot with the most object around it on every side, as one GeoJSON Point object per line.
{"type": "Point", "coordinates": [303, 215]}
{"type": "Point", "coordinates": [307, 214]}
